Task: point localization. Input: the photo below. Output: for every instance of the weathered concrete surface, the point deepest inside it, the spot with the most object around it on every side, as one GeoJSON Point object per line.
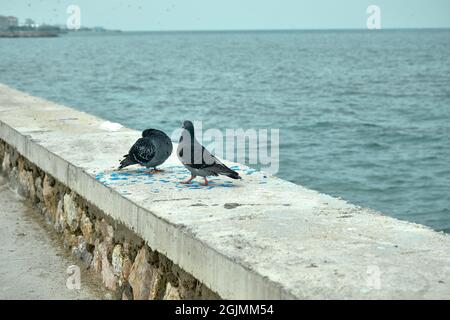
{"type": "Point", "coordinates": [32, 263]}
{"type": "Point", "coordinates": [261, 237]}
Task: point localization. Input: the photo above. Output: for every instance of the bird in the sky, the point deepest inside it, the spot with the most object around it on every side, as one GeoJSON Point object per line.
{"type": "Point", "coordinates": [198, 160]}
{"type": "Point", "coordinates": [150, 151]}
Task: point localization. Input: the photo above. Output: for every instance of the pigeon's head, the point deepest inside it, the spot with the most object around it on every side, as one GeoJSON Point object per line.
{"type": "Point", "coordinates": [148, 132]}
{"type": "Point", "coordinates": [189, 126]}
{"type": "Point", "coordinates": [188, 129]}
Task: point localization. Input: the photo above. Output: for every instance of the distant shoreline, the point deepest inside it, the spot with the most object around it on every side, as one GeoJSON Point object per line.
{"type": "Point", "coordinates": [28, 34]}
{"type": "Point", "coordinates": [47, 34]}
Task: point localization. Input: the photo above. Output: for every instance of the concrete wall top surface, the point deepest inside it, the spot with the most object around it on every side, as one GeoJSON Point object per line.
{"type": "Point", "coordinates": [260, 237]}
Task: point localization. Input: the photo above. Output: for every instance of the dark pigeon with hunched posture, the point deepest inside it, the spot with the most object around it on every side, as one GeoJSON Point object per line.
{"type": "Point", "coordinates": [198, 160]}
{"type": "Point", "coordinates": [149, 151]}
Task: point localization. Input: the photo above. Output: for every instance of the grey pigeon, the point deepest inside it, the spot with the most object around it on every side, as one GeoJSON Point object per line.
{"type": "Point", "coordinates": [198, 160]}
{"type": "Point", "coordinates": [150, 151]}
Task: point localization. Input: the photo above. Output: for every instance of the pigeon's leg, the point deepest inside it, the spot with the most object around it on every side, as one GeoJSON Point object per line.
{"type": "Point", "coordinates": [153, 171]}
{"type": "Point", "coordinates": [206, 181]}
{"type": "Point", "coordinates": [188, 180]}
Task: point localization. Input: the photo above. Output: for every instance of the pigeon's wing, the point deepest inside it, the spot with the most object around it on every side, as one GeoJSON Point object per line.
{"type": "Point", "coordinates": [142, 151]}
{"type": "Point", "coordinates": [200, 160]}
{"type": "Point", "coordinates": [213, 166]}
{"type": "Point", "coordinates": [208, 158]}
{"type": "Point", "coordinates": [162, 146]}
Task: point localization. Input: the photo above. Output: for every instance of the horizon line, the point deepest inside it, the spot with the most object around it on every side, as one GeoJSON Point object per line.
{"type": "Point", "coordinates": [276, 29]}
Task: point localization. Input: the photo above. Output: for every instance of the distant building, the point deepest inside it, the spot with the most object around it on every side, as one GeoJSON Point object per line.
{"type": "Point", "coordinates": [8, 21]}
{"type": "Point", "coordinates": [30, 22]}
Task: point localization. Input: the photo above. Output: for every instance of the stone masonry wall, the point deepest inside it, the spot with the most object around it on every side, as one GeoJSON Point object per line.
{"type": "Point", "coordinates": [128, 267]}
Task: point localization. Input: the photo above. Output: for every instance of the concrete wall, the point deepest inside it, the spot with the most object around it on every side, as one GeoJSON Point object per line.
{"type": "Point", "coordinates": [151, 237]}
{"type": "Point", "coordinates": [128, 267]}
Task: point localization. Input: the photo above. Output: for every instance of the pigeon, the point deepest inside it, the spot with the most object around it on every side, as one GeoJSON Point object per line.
{"type": "Point", "coordinates": [198, 160]}
{"type": "Point", "coordinates": [150, 151]}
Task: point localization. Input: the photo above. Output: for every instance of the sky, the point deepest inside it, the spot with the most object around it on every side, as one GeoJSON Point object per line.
{"type": "Point", "coordinates": [155, 15]}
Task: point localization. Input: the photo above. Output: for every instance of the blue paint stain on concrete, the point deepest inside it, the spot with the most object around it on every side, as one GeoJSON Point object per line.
{"type": "Point", "coordinates": [223, 185]}
{"type": "Point", "coordinates": [250, 171]}
{"type": "Point", "coordinates": [171, 177]}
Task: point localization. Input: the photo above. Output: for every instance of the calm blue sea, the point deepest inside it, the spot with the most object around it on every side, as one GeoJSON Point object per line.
{"type": "Point", "coordinates": [363, 115]}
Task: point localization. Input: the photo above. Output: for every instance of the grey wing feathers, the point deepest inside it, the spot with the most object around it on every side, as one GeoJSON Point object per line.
{"type": "Point", "coordinates": [220, 168]}
{"type": "Point", "coordinates": [150, 151]}
{"type": "Point", "coordinates": [142, 151]}
{"type": "Point", "coordinates": [210, 165]}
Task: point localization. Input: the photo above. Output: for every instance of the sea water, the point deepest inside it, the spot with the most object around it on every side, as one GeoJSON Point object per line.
{"type": "Point", "coordinates": [363, 115]}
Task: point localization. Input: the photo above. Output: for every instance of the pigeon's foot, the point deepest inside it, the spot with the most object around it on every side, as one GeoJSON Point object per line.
{"type": "Point", "coordinates": [205, 183]}
{"type": "Point", "coordinates": [188, 180]}
{"type": "Point", "coordinates": [154, 171]}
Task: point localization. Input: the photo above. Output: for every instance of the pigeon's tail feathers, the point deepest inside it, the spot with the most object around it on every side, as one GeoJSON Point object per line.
{"type": "Point", "coordinates": [125, 163]}
{"type": "Point", "coordinates": [233, 175]}
{"type": "Point", "coordinates": [223, 169]}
